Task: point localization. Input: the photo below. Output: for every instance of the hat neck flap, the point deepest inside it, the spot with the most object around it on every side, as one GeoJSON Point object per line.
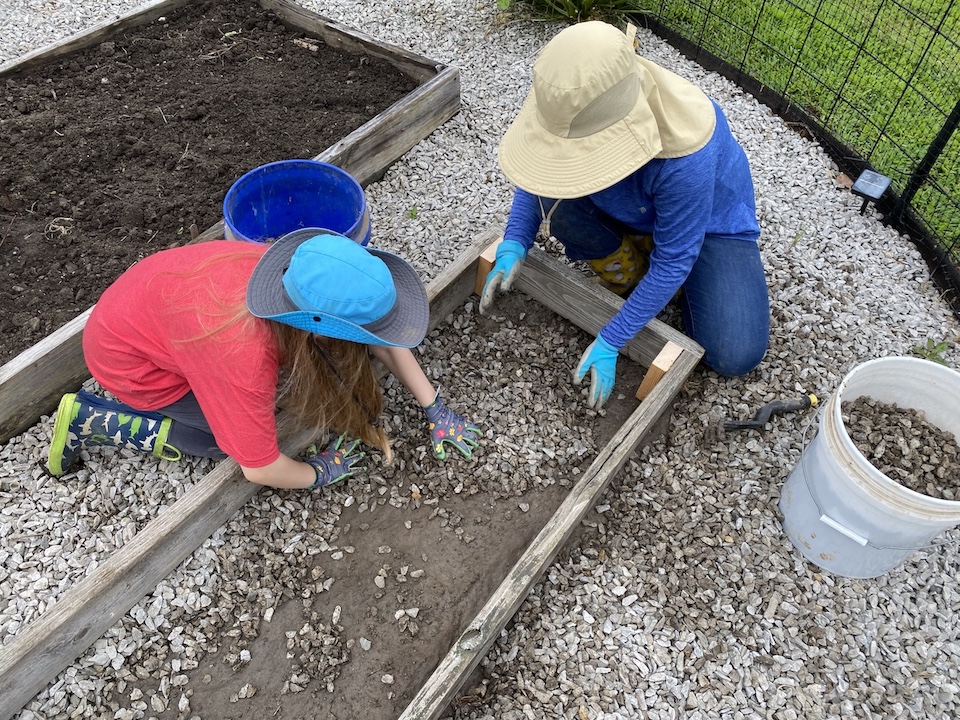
{"type": "Point", "coordinates": [685, 115]}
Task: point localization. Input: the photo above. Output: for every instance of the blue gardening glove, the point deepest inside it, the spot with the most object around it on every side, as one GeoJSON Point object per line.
{"type": "Point", "coordinates": [510, 257]}
{"type": "Point", "coordinates": [601, 360]}
{"type": "Point", "coordinates": [336, 463]}
{"type": "Point", "coordinates": [448, 428]}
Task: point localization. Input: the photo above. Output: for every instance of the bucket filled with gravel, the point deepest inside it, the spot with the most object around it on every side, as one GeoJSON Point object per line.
{"type": "Point", "coordinates": [880, 479]}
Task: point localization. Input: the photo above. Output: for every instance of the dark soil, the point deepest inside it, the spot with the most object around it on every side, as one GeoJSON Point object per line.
{"type": "Point", "coordinates": [119, 151]}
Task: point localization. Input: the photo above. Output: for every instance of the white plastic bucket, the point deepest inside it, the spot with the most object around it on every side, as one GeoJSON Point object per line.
{"type": "Point", "coordinates": [842, 513]}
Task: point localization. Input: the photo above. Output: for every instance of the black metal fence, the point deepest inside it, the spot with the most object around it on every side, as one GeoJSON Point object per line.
{"type": "Point", "coordinates": [876, 81]}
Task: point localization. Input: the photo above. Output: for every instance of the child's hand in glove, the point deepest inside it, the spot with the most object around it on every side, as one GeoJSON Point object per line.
{"type": "Point", "coordinates": [448, 428]}
{"type": "Point", "coordinates": [335, 463]}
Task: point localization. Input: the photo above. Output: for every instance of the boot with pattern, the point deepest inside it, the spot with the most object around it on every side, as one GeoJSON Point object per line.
{"type": "Point", "coordinates": [622, 269]}
{"type": "Point", "coordinates": [85, 420]}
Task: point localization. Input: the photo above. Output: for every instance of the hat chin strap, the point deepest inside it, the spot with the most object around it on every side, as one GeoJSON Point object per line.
{"type": "Point", "coordinates": [545, 216]}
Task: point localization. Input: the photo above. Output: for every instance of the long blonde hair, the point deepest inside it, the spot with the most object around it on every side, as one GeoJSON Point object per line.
{"type": "Point", "coordinates": [330, 384]}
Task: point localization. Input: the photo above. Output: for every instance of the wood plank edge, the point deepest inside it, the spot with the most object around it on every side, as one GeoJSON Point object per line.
{"type": "Point", "coordinates": [362, 154]}
{"type": "Point", "coordinates": [661, 363]}
{"type": "Point", "coordinates": [32, 382]}
{"type": "Point", "coordinates": [350, 39]}
{"type": "Point", "coordinates": [589, 306]}
{"type": "Point", "coordinates": [412, 64]}
{"type": "Point", "coordinates": [486, 262]}
{"type": "Point", "coordinates": [140, 15]}
{"type": "Point", "coordinates": [91, 607]}
{"type": "Point", "coordinates": [96, 602]}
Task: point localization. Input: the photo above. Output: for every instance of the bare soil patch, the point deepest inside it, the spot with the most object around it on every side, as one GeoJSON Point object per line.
{"type": "Point", "coordinates": [116, 152]}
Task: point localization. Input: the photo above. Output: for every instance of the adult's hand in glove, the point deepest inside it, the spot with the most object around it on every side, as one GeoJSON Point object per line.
{"type": "Point", "coordinates": [509, 260]}
{"type": "Point", "coordinates": [600, 359]}
{"type": "Point", "coordinates": [336, 463]}
{"type": "Point", "coordinates": [448, 428]}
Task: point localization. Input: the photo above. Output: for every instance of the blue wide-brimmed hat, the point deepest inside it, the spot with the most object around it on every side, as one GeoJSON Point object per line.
{"type": "Point", "coordinates": [328, 284]}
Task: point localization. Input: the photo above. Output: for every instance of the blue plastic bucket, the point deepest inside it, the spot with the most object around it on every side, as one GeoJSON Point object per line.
{"type": "Point", "coordinates": [280, 197]}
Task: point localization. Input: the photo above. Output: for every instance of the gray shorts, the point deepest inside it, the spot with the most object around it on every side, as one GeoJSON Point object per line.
{"type": "Point", "coordinates": [190, 432]}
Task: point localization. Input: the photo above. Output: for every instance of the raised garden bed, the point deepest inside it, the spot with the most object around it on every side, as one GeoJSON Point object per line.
{"type": "Point", "coordinates": [488, 580]}
{"type": "Point", "coordinates": [124, 139]}
{"type": "Point", "coordinates": [509, 566]}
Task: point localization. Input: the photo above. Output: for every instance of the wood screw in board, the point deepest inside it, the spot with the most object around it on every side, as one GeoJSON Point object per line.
{"type": "Point", "coordinates": [658, 368]}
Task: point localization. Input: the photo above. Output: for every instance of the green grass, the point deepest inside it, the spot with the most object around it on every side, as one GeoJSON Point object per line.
{"type": "Point", "coordinates": [880, 75]}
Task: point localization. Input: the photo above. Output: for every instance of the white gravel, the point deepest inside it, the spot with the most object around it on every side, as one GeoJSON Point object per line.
{"type": "Point", "coordinates": [686, 600]}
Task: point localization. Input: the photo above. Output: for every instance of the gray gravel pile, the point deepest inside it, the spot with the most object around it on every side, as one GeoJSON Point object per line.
{"type": "Point", "coordinates": [903, 445]}
{"type": "Point", "coordinates": [686, 599]}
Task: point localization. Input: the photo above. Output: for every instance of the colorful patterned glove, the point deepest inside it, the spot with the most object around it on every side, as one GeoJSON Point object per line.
{"type": "Point", "coordinates": [336, 463]}
{"type": "Point", "coordinates": [510, 257]}
{"type": "Point", "coordinates": [448, 428]}
{"type": "Point", "coordinates": [601, 360]}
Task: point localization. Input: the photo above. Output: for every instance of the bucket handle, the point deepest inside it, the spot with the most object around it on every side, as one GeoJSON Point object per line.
{"type": "Point", "coordinates": [839, 527]}
{"type": "Point", "coordinates": [856, 537]}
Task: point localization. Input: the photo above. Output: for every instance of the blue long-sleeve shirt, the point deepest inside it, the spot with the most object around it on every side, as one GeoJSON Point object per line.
{"type": "Point", "coordinates": [678, 201]}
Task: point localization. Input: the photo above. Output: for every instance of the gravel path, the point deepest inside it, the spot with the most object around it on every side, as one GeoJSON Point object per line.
{"type": "Point", "coordinates": [687, 600]}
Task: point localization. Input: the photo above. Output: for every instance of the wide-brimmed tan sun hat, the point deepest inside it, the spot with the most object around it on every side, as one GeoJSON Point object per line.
{"type": "Point", "coordinates": [597, 112]}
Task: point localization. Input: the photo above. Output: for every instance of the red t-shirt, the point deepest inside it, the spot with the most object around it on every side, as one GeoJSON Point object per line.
{"type": "Point", "coordinates": [159, 332]}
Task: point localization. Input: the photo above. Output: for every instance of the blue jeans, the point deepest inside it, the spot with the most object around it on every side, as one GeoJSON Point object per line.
{"type": "Point", "coordinates": [724, 304]}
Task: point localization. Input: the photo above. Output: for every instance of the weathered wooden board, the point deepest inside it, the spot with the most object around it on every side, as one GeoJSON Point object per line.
{"type": "Point", "coordinates": [32, 383]}
{"type": "Point", "coordinates": [475, 641]}
{"type": "Point", "coordinates": [143, 15]}
{"type": "Point", "coordinates": [590, 306]}
{"type": "Point", "coordinates": [329, 31]}
{"type": "Point", "coordinates": [368, 151]}
{"type": "Point", "coordinates": [91, 607]}
{"type": "Point", "coordinates": [349, 40]}
{"type": "Point", "coordinates": [661, 365]}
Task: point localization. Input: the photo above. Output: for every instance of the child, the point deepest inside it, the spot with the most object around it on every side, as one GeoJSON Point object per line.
{"type": "Point", "coordinates": [199, 342]}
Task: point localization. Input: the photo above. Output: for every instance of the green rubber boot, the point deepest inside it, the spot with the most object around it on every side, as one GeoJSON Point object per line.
{"type": "Point", "coordinates": [85, 420]}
